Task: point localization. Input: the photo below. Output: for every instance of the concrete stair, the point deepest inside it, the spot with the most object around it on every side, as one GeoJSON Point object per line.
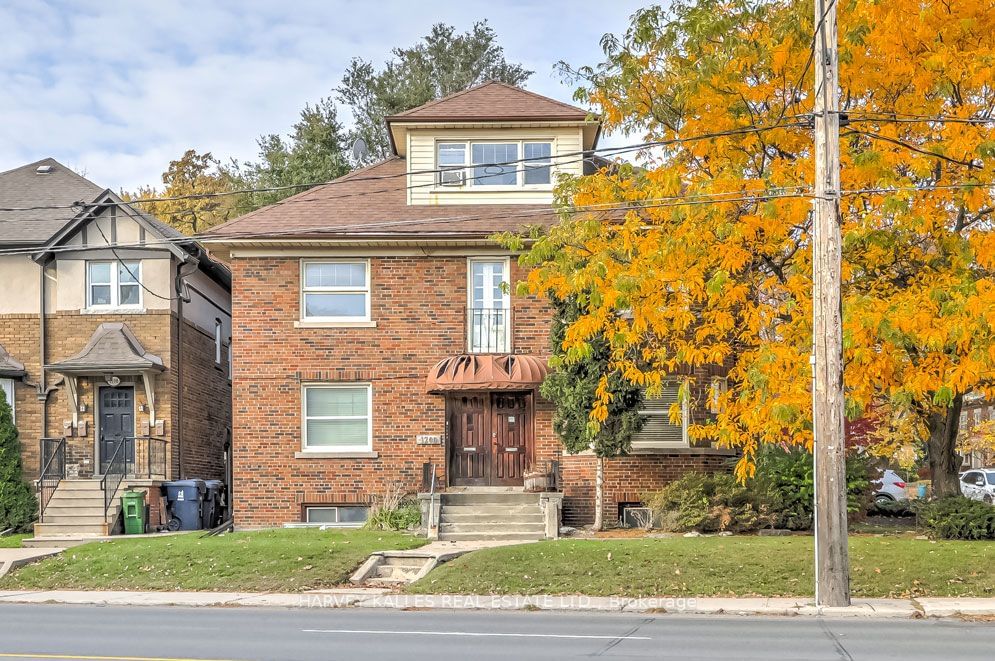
{"type": "Point", "coordinates": [490, 516]}
{"type": "Point", "coordinates": [392, 569]}
{"type": "Point", "coordinates": [77, 509]}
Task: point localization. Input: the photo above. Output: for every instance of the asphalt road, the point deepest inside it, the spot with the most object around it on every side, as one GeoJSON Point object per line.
{"type": "Point", "coordinates": [182, 634]}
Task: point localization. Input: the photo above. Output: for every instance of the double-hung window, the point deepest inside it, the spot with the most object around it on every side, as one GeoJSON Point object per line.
{"type": "Point", "coordinates": [338, 417]}
{"type": "Point", "coordinates": [488, 306]}
{"type": "Point", "coordinates": [518, 163]}
{"type": "Point", "coordinates": [335, 291]}
{"type": "Point", "coordinates": [114, 284]}
{"type": "Point", "coordinates": [658, 431]}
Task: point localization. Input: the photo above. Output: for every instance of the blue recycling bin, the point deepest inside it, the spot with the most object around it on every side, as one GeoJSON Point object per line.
{"type": "Point", "coordinates": [211, 511]}
{"type": "Point", "coordinates": [184, 499]}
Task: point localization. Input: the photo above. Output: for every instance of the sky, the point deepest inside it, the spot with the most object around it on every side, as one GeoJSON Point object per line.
{"type": "Point", "coordinates": [116, 89]}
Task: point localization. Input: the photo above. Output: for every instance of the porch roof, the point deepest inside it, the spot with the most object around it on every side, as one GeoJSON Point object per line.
{"type": "Point", "coordinates": [10, 368]}
{"type": "Point", "coordinates": [112, 348]}
{"type": "Point", "coordinates": [487, 372]}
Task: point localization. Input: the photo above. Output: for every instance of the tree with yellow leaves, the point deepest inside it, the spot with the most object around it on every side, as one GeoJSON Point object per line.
{"type": "Point", "coordinates": [201, 191]}
{"type": "Point", "coordinates": [702, 255]}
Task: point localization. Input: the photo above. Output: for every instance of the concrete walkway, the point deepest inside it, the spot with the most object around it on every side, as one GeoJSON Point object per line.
{"type": "Point", "coordinates": [11, 559]}
{"type": "Point", "coordinates": [379, 598]}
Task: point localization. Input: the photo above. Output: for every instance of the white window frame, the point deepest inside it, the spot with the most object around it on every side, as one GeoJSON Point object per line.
{"type": "Point", "coordinates": [115, 285]}
{"type": "Point", "coordinates": [664, 445]}
{"type": "Point", "coordinates": [505, 278]}
{"type": "Point", "coordinates": [218, 342]}
{"type": "Point", "coordinates": [519, 184]}
{"type": "Point", "coordinates": [10, 390]}
{"type": "Point", "coordinates": [337, 449]}
{"type": "Point", "coordinates": [367, 290]}
{"type": "Point", "coordinates": [336, 524]}
{"type": "Point", "coordinates": [230, 372]}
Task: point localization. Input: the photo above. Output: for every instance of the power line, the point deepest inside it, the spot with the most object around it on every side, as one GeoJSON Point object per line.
{"type": "Point", "coordinates": [899, 118]}
{"type": "Point", "coordinates": [745, 130]}
{"type": "Point", "coordinates": [127, 268]}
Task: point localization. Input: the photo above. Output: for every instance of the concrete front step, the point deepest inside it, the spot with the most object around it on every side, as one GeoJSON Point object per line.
{"type": "Point", "coordinates": [486, 498]}
{"type": "Point", "coordinates": [537, 528]}
{"type": "Point", "coordinates": [87, 510]}
{"type": "Point", "coordinates": [70, 528]}
{"type": "Point", "coordinates": [80, 485]}
{"type": "Point", "coordinates": [489, 537]}
{"type": "Point", "coordinates": [453, 516]}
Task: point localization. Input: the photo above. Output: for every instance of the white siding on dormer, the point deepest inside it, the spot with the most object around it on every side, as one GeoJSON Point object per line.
{"type": "Point", "coordinates": [422, 154]}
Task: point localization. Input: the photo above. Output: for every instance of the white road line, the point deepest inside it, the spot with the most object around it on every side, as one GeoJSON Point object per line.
{"type": "Point", "coordinates": [476, 633]}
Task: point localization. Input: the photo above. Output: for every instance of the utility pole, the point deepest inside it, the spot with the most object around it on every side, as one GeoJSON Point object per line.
{"type": "Point", "coordinates": [832, 555]}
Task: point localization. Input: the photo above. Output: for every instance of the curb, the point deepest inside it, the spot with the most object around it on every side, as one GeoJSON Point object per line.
{"type": "Point", "coordinates": [376, 598]}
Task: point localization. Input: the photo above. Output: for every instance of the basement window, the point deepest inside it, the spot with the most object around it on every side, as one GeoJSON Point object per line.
{"type": "Point", "coordinates": [346, 516]}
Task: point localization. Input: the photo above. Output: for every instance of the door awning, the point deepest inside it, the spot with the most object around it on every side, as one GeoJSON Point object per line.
{"type": "Point", "coordinates": [112, 349]}
{"type": "Point", "coordinates": [487, 372]}
{"type": "Point", "coordinates": [10, 368]}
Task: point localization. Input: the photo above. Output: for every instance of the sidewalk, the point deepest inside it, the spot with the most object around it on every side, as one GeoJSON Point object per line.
{"type": "Point", "coordinates": [379, 598]}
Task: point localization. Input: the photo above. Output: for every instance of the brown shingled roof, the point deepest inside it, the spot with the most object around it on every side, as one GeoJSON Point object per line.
{"type": "Point", "coordinates": [492, 101]}
{"type": "Point", "coordinates": [372, 202]}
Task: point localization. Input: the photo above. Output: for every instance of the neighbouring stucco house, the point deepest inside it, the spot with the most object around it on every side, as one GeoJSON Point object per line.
{"type": "Point", "coordinates": [114, 338]}
{"type": "Point", "coordinates": [377, 343]}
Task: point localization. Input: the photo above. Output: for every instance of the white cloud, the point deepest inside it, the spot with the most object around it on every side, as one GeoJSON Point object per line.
{"type": "Point", "coordinates": [120, 88]}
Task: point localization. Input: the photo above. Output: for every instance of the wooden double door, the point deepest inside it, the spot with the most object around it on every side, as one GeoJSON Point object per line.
{"type": "Point", "coordinates": [490, 438]}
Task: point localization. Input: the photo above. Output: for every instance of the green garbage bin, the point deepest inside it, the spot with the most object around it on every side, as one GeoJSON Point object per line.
{"type": "Point", "coordinates": [133, 509]}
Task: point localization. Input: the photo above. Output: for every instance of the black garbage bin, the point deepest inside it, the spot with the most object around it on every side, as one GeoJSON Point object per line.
{"type": "Point", "coordinates": [211, 512]}
{"type": "Point", "coordinates": [184, 498]}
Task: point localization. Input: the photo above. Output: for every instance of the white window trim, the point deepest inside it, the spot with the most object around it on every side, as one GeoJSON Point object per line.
{"type": "Point", "coordinates": [325, 450]}
{"type": "Point", "coordinates": [218, 342]}
{"type": "Point", "coordinates": [664, 445]}
{"type": "Point", "coordinates": [115, 286]}
{"type": "Point", "coordinates": [357, 524]}
{"type": "Point", "coordinates": [345, 322]}
{"type": "Point", "coordinates": [11, 393]}
{"type": "Point", "coordinates": [470, 183]}
{"type": "Point", "coordinates": [506, 278]}
{"type": "Point", "coordinates": [229, 360]}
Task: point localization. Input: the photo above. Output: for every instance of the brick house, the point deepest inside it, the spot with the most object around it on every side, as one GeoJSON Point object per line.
{"type": "Point", "coordinates": [374, 337]}
{"type": "Point", "coordinates": [116, 379]}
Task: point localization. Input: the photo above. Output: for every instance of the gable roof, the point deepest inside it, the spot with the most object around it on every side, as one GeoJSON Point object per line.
{"type": "Point", "coordinates": [111, 347]}
{"type": "Point", "coordinates": [10, 367]}
{"type": "Point", "coordinates": [492, 101]}
{"type": "Point", "coordinates": [27, 187]}
{"type": "Point", "coordinates": [372, 203]}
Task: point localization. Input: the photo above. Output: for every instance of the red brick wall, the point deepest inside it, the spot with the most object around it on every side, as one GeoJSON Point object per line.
{"type": "Point", "coordinates": [628, 479]}
{"type": "Point", "coordinates": [19, 336]}
{"type": "Point", "coordinates": [205, 415]}
{"type": "Point", "coordinates": [418, 304]}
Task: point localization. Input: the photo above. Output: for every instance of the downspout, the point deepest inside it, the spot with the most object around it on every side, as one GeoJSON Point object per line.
{"type": "Point", "coordinates": [43, 390]}
{"type": "Point", "coordinates": [181, 297]}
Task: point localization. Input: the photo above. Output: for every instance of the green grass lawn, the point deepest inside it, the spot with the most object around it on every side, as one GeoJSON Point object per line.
{"type": "Point", "coordinates": [12, 541]}
{"type": "Point", "coordinates": [886, 566]}
{"type": "Point", "coordinates": [260, 561]}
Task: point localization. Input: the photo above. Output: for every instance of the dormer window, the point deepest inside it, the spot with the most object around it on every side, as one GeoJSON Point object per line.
{"type": "Point", "coordinates": [505, 164]}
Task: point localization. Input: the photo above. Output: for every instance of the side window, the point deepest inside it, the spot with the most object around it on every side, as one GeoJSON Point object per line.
{"type": "Point", "coordinates": [7, 387]}
{"type": "Point", "coordinates": [218, 342]}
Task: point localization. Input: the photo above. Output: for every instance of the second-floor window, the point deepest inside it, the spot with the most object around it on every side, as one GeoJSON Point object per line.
{"type": "Point", "coordinates": [508, 164]}
{"type": "Point", "coordinates": [488, 306]}
{"type": "Point", "coordinates": [114, 284]}
{"type": "Point", "coordinates": [335, 290]}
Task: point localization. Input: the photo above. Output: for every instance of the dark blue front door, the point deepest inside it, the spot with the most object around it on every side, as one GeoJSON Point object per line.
{"type": "Point", "coordinates": [117, 422]}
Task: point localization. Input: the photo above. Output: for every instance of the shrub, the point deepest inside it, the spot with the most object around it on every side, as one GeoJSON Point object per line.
{"type": "Point", "coordinates": [17, 501]}
{"type": "Point", "coordinates": [393, 511]}
{"type": "Point", "coordinates": [784, 482]}
{"type": "Point", "coordinates": [958, 517]}
{"type": "Point", "coordinates": [707, 503]}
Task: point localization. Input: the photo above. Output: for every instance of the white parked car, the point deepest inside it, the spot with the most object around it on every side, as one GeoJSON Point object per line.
{"type": "Point", "coordinates": [889, 488]}
{"type": "Point", "coordinates": [979, 484]}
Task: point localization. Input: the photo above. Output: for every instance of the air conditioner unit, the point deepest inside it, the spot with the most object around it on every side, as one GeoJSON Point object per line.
{"type": "Point", "coordinates": [637, 517]}
{"type": "Point", "coordinates": [454, 177]}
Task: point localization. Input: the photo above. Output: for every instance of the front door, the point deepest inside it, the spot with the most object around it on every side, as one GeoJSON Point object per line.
{"type": "Point", "coordinates": [117, 421]}
{"type": "Point", "coordinates": [490, 438]}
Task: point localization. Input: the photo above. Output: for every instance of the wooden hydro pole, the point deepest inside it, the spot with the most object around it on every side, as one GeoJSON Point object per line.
{"type": "Point", "coordinates": [831, 553]}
